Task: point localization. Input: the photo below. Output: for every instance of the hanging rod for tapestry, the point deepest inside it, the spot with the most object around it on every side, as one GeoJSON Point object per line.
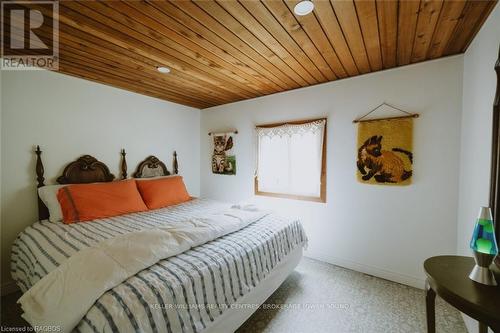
{"type": "Point", "coordinates": [234, 132]}
{"type": "Point", "coordinates": [407, 114]}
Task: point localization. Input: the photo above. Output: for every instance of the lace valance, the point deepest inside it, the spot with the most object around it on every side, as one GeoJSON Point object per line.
{"type": "Point", "coordinates": [291, 129]}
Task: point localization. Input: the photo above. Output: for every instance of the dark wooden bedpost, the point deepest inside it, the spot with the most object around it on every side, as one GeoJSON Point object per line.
{"type": "Point", "coordinates": [123, 165]}
{"type": "Point", "coordinates": [39, 167]}
{"type": "Point", "coordinates": [176, 164]}
{"type": "Point", "coordinates": [43, 212]}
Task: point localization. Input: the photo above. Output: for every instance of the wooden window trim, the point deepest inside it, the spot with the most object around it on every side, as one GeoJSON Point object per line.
{"type": "Point", "coordinates": [322, 196]}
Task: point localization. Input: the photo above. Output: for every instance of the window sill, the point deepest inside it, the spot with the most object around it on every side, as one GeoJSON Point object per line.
{"type": "Point", "coordinates": [321, 199]}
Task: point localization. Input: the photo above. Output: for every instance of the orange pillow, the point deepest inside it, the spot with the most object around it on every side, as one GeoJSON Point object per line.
{"type": "Point", "coordinates": [163, 192]}
{"type": "Point", "coordinates": [85, 202]}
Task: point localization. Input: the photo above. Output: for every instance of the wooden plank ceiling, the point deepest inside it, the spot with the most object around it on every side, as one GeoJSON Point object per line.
{"type": "Point", "coordinates": [225, 51]}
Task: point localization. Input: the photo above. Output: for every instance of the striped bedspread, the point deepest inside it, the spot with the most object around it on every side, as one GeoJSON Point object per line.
{"type": "Point", "coordinates": [184, 293]}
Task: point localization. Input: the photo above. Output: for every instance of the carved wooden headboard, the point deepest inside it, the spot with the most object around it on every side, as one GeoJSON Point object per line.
{"type": "Point", "coordinates": [86, 169]}
{"type": "Point", "coordinates": [153, 167]}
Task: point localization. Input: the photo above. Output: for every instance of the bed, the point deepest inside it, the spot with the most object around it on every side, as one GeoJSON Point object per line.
{"type": "Point", "coordinates": [213, 287]}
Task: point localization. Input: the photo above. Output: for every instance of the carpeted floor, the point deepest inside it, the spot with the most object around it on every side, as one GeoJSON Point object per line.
{"type": "Point", "coordinates": [341, 300]}
{"type": "Point", "coordinates": [320, 297]}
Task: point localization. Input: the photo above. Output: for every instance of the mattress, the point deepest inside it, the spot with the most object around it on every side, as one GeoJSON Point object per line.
{"type": "Point", "coordinates": [184, 293]}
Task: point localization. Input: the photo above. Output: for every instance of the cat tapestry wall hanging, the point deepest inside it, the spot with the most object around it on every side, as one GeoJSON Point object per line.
{"type": "Point", "coordinates": [223, 159]}
{"type": "Point", "coordinates": [385, 151]}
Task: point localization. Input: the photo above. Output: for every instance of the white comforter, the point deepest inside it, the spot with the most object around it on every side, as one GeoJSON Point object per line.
{"type": "Point", "coordinates": [79, 281]}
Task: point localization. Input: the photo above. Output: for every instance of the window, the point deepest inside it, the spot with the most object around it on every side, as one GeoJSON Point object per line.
{"type": "Point", "coordinates": [291, 160]}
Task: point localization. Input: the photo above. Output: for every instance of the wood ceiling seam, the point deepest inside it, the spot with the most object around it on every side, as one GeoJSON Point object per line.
{"type": "Point", "coordinates": [297, 44]}
{"type": "Point", "coordinates": [152, 82]}
{"type": "Point", "coordinates": [322, 56]}
{"type": "Point", "coordinates": [457, 28]}
{"type": "Point", "coordinates": [429, 47]}
{"type": "Point", "coordinates": [479, 23]}
{"type": "Point", "coordinates": [319, 79]}
{"type": "Point", "coordinates": [86, 67]}
{"type": "Point", "coordinates": [406, 38]}
{"type": "Point", "coordinates": [259, 29]}
{"type": "Point", "coordinates": [332, 67]}
{"type": "Point", "coordinates": [188, 32]}
{"type": "Point", "coordinates": [230, 38]}
{"type": "Point", "coordinates": [311, 26]}
{"type": "Point", "coordinates": [140, 61]}
{"type": "Point", "coordinates": [370, 69]}
{"type": "Point", "coordinates": [312, 52]}
{"type": "Point", "coordinates": [450, 15]}
{"type": "Point", "coordinates": [88, 75]}
{"type": "Point", "coordinates": [222, 14]}
{"type": "Point", "coordinates": [379, 36]}
{"type": "Point", "coordinates": [388, 35]}
{"type": "Point", "coordinates": [427, 22]}
{"type": "Point", "coordinates": [89, 57]}
{"type": "Point", "coordinates": [147, 50]}
{"type": "Point", "coordinates": [156, 60]}
{"type": "Point", "coordinates": [329, 22]}
{"type": "Point", "coordinates": [100, 70]}
{"type": "Point", "coordinates": [150, 54]}
{"type": "Point", "coordinates": [345, 38]}
{"type": "Point", "coordinates": [341, 75]}
{"type": "Point", "coordinates": [347, 16]}
{"type": "Point", "coordinates": [473, 16]}
{"type": "Point", "coordinates": [368, 21]}
{"type": "Point", "coordinates": [397, 31]}
{"type": "Point", "coordinates": [106, 76]}
{"type": "Point", "coordinates": [150, 35]}
{"type": "Point", "coordinates": [267, 73]}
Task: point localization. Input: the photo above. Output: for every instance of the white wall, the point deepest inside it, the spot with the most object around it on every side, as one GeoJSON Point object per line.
{"type": "Point", "coordinates": [478, 95]}
{"type": "Point", "coordinates": [384, 231]}
{"type": "Point", "coordinates": [69, 117]}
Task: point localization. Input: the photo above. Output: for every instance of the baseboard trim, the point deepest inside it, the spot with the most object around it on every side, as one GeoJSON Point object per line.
{"type": "Point", "coordinates": [370, 270]}
{"type": "Point", "coordinates": [470, 324]}
{"type": "Point", "coordinates": [8, 288]}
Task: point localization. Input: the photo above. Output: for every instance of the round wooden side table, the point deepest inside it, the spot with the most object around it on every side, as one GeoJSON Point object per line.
{"type": "Point", "coordinates": [448, 277]}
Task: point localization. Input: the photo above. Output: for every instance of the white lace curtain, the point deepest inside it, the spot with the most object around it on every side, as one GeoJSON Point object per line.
{"type": "Point", "coordinates": [289, 158]}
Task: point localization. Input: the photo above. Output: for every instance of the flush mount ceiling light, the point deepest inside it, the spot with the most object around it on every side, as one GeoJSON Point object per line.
{"type": "Point", "coordinates": [164, 70]}
{"type": "Point", "coordinates": [303, 8]}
